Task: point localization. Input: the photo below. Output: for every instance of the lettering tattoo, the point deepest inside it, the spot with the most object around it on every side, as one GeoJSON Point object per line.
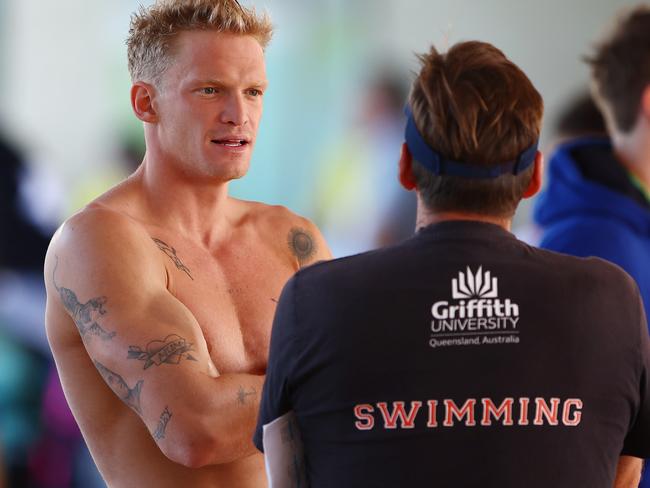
{"type": "Point", "coordinates": [242, 394]}
{"type": "Point", "coordinates": [130, 396]}
{"type": "Point", "coordinates": [171, 253]}
{"type": "Point", "coordinates": [170, 350]}
{"type": "Point", "coordinates": [159, 433]}
{"type": "Point", "coordinates": [84, 315]}
{"type": "Point", "coordinates": [301, 244]}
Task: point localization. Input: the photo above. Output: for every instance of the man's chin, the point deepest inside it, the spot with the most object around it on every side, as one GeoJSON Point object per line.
{"type": "Point", "coordinates": [224, 171]}
{"type": "Point", "coordinates": [237, 176]}
{"type": "Point", "coordinates": [237, 171]}
{"type": "Point", "coordinates": [224, 175]}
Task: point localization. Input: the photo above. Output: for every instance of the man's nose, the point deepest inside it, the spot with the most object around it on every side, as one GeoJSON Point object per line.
{"type": "Point", "coordinates": [234, 111]}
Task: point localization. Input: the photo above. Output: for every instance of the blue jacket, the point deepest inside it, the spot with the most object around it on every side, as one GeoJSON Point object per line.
{"type": "Point", "coordinates": [585, 217]}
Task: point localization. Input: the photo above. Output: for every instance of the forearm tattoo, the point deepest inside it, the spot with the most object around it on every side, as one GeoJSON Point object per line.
{"type": "Point", "coordinates": [130, 396]}
{"type": "Point", "coordinates": [159, 433]}
{"type": "Point", "coordinates": [84, 315]}
{"type": "Point", "coordinates": [302, 245]}
{"type": "Point", "coordinates": [170, 350]}
{"type": "Point", "coordinates": [243, 394]}
{"type": "Point", "coordinates": [171, 253]}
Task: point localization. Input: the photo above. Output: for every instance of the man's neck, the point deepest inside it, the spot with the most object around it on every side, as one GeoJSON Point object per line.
{"type": "Point", "coordinates": [426, 217]}
{"type": "Point", "coordinates": [632, 149]}
{"type": "Point", "coordinates": [194, 208]}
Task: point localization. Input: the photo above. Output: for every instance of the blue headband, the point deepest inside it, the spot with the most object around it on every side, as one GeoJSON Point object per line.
{"type": "Point", "coordinates": [438, 165]}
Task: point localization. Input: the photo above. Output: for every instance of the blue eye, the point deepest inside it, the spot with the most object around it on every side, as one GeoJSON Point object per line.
{"type": "Point", "coordinates": [254, 92]}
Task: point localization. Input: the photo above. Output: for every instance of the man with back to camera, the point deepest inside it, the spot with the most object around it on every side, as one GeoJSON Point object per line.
{"type": "Point", "coordinates": [464, 357]}
{"type": "Point", "coordinates": [161, 292]}
{"type": "Point", "coordinates": [597, 202]}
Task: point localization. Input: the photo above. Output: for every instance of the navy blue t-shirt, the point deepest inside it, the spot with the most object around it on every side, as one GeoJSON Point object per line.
{"type": "Point", "coordinates": [461, 357]}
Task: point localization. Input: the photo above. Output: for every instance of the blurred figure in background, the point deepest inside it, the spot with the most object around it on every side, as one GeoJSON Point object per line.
{"type": "Point", "coordinates": [580, 118]}
{"type": "Point", "coordinates": [23, 245]}
{"type": "Point", "coordinates": [597, 202]}
{"type": "Point", "coordinates": [42, 446]}
{"type": "Point", "coordinates": [598, 197]}
{"type": "Point", "coordinates": [359, 203]}
{"type": "Point", "coordinates": [22, 251]}
{"type": "Point", "coordinates": [23, 357]}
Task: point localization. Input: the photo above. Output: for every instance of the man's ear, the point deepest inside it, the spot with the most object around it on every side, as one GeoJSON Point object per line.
{"type": "Point", "coordinates": [406, 169]}
{"type": "Point", "coordinates": [142, 96]}
{"type": "Point", "coordinates": [536, 181]}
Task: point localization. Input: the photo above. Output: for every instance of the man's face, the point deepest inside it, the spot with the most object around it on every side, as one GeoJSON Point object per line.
{"type": "Point", "coordinates": [209, 104]}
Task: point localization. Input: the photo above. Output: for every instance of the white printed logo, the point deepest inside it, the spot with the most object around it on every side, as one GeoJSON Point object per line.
{"type": "Point", "coordinates": [479, 285]}
{"type": "Point", "coordinates": [475, 315]}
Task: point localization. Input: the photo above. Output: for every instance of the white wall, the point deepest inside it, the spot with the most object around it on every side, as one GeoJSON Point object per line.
{"type": "Point", "coordinates": [65, 83]}
{"type": "Point", "coordinates": [547, 39]}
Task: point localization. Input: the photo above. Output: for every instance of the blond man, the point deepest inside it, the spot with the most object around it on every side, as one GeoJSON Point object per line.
{"type": "Point", "coordinates": [161, 292]}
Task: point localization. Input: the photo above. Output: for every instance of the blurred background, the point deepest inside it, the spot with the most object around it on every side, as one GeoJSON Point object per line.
{"type": "Point", "coordinates": [328, 148]}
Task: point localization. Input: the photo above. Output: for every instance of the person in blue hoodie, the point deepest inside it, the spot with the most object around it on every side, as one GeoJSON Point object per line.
{"type": "Point", "coordinates": [597, 202]}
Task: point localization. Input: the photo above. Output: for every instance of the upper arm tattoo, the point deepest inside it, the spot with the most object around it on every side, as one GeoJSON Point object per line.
{"type": "Point", "coordinates": [84, 315]}
{"type": "Point", "coordinates": [159, 433]}
{"type": "Point", "coordinates": [170, 350]}
{"type": "Point", "coordinates": [130, 396]}
{"type": "Point", "coordinates": [171, 253]}
{"type": "Point", "coordinates": [302, 245]}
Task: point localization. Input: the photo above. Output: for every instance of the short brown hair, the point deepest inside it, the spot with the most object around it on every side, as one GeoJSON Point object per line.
{"type": "Point", "coordinates": [620, 68]}
{"type": "Point", "coordinates": [474, 105]}
{"type": "Point", "coordinates": [154, 28]}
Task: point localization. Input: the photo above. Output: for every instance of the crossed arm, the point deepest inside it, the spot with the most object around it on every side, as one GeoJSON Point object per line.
{"type": "Point", "coordinates": [146, 345]}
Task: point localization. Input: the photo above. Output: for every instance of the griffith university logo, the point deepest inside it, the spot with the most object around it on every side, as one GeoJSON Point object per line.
{"type": "Point", "coordinates": [470, 285]}
{"type": "Point", "coordinates": [475, 315]}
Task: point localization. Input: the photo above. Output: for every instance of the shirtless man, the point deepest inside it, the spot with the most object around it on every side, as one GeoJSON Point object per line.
{"type": "Point", "coordinates": [161, 292]}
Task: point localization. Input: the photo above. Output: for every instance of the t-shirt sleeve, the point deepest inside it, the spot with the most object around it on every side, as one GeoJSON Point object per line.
{"type": "Point", "coordinates": [282, 357]}
{"type": "Point", "coordinates": [637, 441]}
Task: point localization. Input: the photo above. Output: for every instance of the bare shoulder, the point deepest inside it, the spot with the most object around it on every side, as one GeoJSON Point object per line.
{"type": "Point", "coordinates": [97, 242]}
{"type": "Point", "coordinates": [298, 235]}
{"type": "Point", "coordinates": [99, 227]}
{"type": "Point", "coordinates": [277, 216]}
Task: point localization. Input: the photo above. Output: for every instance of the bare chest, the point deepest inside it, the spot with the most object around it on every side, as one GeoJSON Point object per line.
{"type": "Point", "coordinates": [233, 295]}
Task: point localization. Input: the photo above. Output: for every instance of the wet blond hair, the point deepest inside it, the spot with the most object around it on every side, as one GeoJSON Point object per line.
{"type": "Point", "coordinates": [153, 30]}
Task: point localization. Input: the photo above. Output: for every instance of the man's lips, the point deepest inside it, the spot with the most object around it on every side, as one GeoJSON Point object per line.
{"type": "Point", "coordinates": [231, 141]}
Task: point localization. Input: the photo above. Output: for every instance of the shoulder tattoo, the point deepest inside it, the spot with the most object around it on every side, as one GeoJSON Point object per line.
{"type": "Point", "coordinates": [171, 253]}
{"type": "Point", "coordinates": [301, 244]}
{"type": "Point", "coordinates": [84, 315]}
